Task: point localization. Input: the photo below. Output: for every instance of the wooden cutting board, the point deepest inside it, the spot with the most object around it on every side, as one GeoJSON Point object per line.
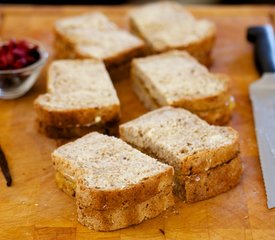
{"type": "Point", "coordinates": [34, 208]}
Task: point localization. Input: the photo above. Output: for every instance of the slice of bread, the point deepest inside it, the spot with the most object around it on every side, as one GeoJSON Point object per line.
{"type": "Point", "coordinates": [81, 96]}
{"type": "Point", "coordinates": [166, 25]}
{"type": "Point", "coordinates": [177, 79]}
{"type": "Point", "coordinates": [192, 146]}
{"type": "Point", "coordinates": [93, 35]}
{"type": "Point", "coordinates": [107, 175]}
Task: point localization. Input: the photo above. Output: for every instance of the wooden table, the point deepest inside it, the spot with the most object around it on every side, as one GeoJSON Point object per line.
{"type": "Point", "coordinates": [34, 208]}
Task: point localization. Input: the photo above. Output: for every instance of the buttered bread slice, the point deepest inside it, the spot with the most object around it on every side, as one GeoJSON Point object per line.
{"type": "Point", "coordinates": [115, 185]}
{"type": "Point", "coordinates": [205, 158]}
{"type": "Point", "coordinates": [177, 79]}
{"type": "Point", "coordinates": [167, 25]}
{"type": "Point", "coordinates": [93, 35]}
{"type": "Point", "coordinates": [81, 97]}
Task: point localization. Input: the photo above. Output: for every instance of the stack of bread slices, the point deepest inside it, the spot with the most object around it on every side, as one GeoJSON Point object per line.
{"type": "Point", "coordinates": [81, 98]}
{"type": "Point", "coordinates": [93, 35]}
{"type": "Point", "coordinates": [205, 157]}
{"type": "Point", "coordinates": [114, 184]}
{"type": "Point", "coordinates": [177, 79]}
{"type": "Point", "coordinates": [166, 25]}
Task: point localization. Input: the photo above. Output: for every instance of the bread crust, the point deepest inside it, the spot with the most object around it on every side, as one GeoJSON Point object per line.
{"type": "Point", "coordinates": [215, 181]}
{"type": "Point", "coordinates": [201, 50]}
{"type": "Point", "coordinates": [196, 163]}
{"type": "Point", "coordinates": [109, 220]}
{"type": "Point", "coordinates": [119, 59]}
{"type": "Point", "coordinates": [207, 103]}
{"type": "Point", "coordinates": [101, 199]}
{"type": "Point", "coordinates": [206, 159]}
{"type": "Point", "coordinates": [75, 117]}
{"type": "Point", "coordinates": [218, 116]}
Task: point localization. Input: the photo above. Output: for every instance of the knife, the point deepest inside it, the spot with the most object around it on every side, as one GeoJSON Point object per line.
{"type": "Point", "coordinates": [262, 95]}
{"type": "Point", "coordinates": [5, 168]}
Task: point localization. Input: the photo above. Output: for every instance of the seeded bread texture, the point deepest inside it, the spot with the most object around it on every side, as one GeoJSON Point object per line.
{"type": "Point", "coordinates": [80, 97]}
{"type": "Point", "coordinates": [93, 35]}
{"type": "Point", "coordinates": [110, 171]}
{"type": "Point", "coordinates": [181, 139]}
{"type": "Point", "coordinates": [177, 79]}
{"type": "Point", "coordinates": [167, 25]}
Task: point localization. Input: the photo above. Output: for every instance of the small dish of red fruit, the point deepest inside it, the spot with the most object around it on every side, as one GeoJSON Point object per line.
{"type": "Point", "coordinates": [20, 64]}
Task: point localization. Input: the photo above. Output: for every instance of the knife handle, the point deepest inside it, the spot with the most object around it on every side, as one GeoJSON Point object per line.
{"type": "Point", "coordinates": [263, 38]}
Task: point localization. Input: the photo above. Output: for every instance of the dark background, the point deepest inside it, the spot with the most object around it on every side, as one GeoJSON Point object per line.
{"type": "Point", "coordinates": [91, 2]}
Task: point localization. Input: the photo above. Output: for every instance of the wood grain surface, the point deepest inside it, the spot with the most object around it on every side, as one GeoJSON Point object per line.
{"type": "Point", "coordinates": [34, 208]}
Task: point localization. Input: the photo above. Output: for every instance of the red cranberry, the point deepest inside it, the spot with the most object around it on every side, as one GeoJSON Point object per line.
{"type": "Point", "coordinates": [17, 54]}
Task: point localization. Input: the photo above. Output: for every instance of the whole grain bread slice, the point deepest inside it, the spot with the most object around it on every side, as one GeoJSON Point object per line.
{"type": "Point", "coordinates": [167, 25]}
{"type": "Point", "coordinates": [93, 35]}
{"type": "Point", "coordinates": [177, 79]}
{"type": "Point", "coordinates": [81, 94]}
{"type": "Point", "coordinates": [108, 173]}
{"type": "Point", "coordinates": [181, 139]}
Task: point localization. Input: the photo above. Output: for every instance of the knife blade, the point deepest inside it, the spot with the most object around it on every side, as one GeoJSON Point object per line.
{"type": "Point", "coordinates": [262, 95]}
